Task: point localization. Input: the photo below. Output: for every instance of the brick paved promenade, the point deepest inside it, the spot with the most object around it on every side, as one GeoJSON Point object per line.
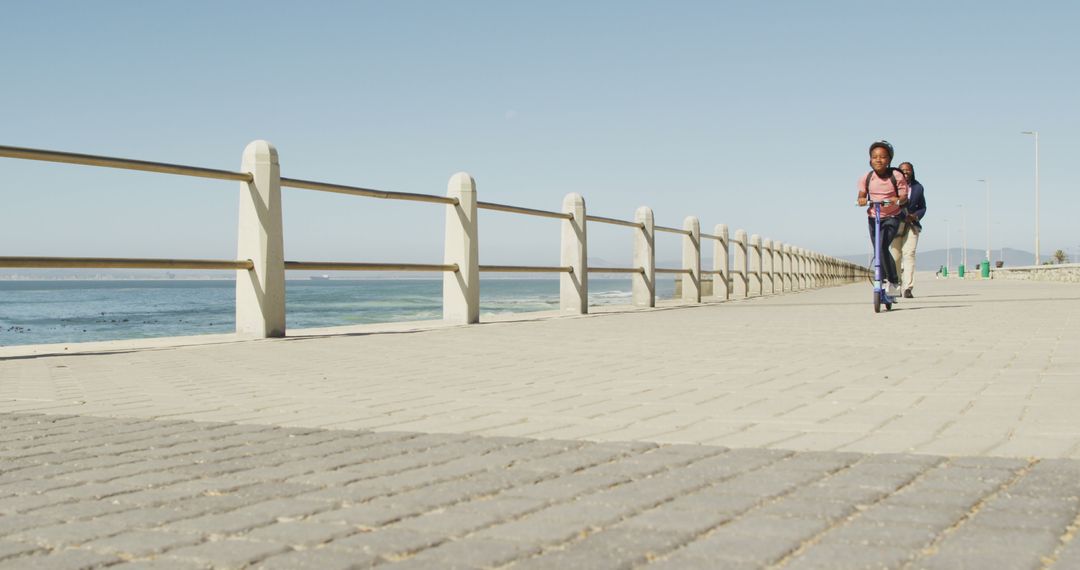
{"type": "Point", "coordinates": [755, 434]}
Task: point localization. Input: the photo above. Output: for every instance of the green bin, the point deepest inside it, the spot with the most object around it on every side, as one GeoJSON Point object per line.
{"type": "Point", "coordinates": [986, 269]}
{"type": "Point", "coordinates": [960, 271]}
{"type": "Point", "coordinates": [944, 271]}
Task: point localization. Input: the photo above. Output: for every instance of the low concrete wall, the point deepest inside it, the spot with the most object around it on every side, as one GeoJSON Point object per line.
{"type": "Point", "coordinates": [1069, 272]}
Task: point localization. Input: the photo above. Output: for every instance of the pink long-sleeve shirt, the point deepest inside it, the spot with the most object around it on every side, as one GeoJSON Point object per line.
{"type": "Point", "coordinates": [882, 189]}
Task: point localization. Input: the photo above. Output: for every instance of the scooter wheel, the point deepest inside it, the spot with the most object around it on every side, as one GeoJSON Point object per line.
{"type": "Point", "coordinates": [888, 306]}
{"type": "Point", "coordinates": [877, 301]}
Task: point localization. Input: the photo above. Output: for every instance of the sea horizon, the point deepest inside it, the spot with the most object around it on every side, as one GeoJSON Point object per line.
{"type": "Point", "coordinates": [47, 311]}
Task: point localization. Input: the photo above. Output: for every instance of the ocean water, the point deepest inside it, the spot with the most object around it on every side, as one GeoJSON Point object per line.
{"type": "Point", "coordinates": [37, 312]}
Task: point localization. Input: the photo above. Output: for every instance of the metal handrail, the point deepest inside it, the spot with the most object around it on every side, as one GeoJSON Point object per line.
{"type": "Point", "coordinates": [665, 270]}
{"type": "Point", "coordinates": [672, 230]}
{"type": "Point", "coordinates": [526, 211]}
{"type": "Point", "coordinates": [123, 163]}
{"type": "Point", "coordinates": [711, 236]}
{"type": "Point", "coordinates": [616, 270]}
{"type": "Point", "coordinates": [122, 262]}
{"type": "Point", "coordinates": [346, 266]}
{"type": "Point", "coordinates": [525, 269]}
{"type": "Point", "coordinates": [368, 192]}
{"type": "Point", "coordinates": [613, 221]}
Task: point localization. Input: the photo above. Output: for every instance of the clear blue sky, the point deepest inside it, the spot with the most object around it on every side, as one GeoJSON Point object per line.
{"type": "Point", "coordinates": [753, 114]}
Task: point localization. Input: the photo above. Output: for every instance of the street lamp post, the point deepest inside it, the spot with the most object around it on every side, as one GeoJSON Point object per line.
{"type": "Point", "coordinates": [987, 181]}
{"type": "Point", "coordinates": [948, 246]}
{"type": "Point", "coordinates": [963, 237]}
{"type": "Point", "coordinates": [1036, 135]}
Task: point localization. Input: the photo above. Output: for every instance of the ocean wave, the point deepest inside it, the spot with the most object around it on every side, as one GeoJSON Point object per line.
{"type": "Point", "coordinates": [612, 294]}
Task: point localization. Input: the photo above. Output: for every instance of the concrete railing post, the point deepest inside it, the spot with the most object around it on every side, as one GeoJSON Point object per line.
{"type": "Point", "coordinates": [574, 286]}
{"type": "Point", "coordinates": [691, 260]}
{"type": "Point", "coordinates": [721, 263]}
{"type": "Point", "coordinates": [767, 267]}
{"type": "Point", "coordinates": [815, 270]}
{"type": "Point", "coordinates": [260, 292]}
{"type": "Point", "coordinates": [778, 267]}
{"type": "Point", "coordinates": [740, 280]}
{"type": "Point", "coordinates": [461, 289]}
{"type": "Point", "coordinates": [644, 283]}
{"type": "Point", "coordinates": [802, 268]}
{"type": "Point", "coordinates": [755, 264]}
{"type": "Point", "coordinates": [785, 264]}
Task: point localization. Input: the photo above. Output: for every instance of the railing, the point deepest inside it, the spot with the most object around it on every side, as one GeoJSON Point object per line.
{"type": "Point", "coordinates": [759, 268]}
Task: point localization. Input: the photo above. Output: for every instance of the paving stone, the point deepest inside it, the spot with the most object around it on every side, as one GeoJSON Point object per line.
{"type": "Point", "coordinates": [450, 523]}
{"type": "Point", "coordinates": [682, 521]}
{"type": "Point", "coordinates": [822, 462]}
{"type": "Point", "coordinates": [728, 549]}
{"type": "Point", "coordinates": [10, 549]}
{"type": "Point", "coordinates": [61, 559]}
{"type": "Point", "coordinates": [141, 543]}
{"type": "Point", "coordinates": [220, 523]}
{"type": "Point", "coordinates": [92, 491]}
{"type": "Point", "coordinates": [11, 524]}
{"type": "Point", "coordinates": [568, 487]}
{"type": "Point", "coordinates": [69, 533]}
{"type": "Point", "coordinates": [475, 552]}
{"type": "Point", "coordinates": [971, 547]}
{"type": "Point", "coordinates": [348, 494]}
{"type": "Point", "coordinates": [680, 560]}
{"type": "Point", "coordinates": [1051, 520]}
{"type": "Point", "coordinates": [159, 564]}
{"type": "Point", "coordinates": [926, 461]}
{"type": "Point", "coordinates": [767, 484]}
{"type": "Point", "coordinates": [26, 503]}
{"type": "Point", "coordinates": [876, 533]}
{"type": "Point", "coordinates": [845, 556]}
{"type": "Point", "coordinates": [82, 509]}
{"type": "Point", "coordinates": [928, 516]}
{"type": "Point", "coordinates": [796, 506]}
{"type": "Point", "coordinates": [229, 553]}
{"type": "Point", "coordinates": [715, 501]}
{"type": "Point", "coordinates": [958, 499]}
{"type": "Point", "coordinates": [996, 463]}
{"type": "Point", "coordinates": [147, 517]}
{"type": "Point", "coordinates": [388, 543]}
{"type": "Point", "coordinates": [538, 528]}
{"type": "Point", "coordinates": [785, 527]}
{"type": "Point", "coordinates": [616, 548]}
{"type": "Point", "coordinates": [319, 559]}
{"type": "Point", "coordinates": [299, 533]}
{"type": "Point", "coordinates": [368, 515]}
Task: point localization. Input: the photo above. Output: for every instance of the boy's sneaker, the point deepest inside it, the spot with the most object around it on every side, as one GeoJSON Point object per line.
{"type": "Point", "coordinates": [893, 290]}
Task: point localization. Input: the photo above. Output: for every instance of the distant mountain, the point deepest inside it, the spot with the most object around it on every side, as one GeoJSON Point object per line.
{"type": "Point", "coordinates": [933, 259]}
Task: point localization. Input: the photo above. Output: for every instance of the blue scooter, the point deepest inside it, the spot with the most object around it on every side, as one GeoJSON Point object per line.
{"type": "Point", "coordinates": [881, 296]}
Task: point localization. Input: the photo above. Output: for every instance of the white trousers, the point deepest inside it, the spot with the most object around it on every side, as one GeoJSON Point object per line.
{"type": "Point", "coordinates": [903, 251]}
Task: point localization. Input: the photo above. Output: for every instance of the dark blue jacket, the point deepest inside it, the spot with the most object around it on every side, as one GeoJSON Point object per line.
{"type": "Point", "coordinates": [916, 202]}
